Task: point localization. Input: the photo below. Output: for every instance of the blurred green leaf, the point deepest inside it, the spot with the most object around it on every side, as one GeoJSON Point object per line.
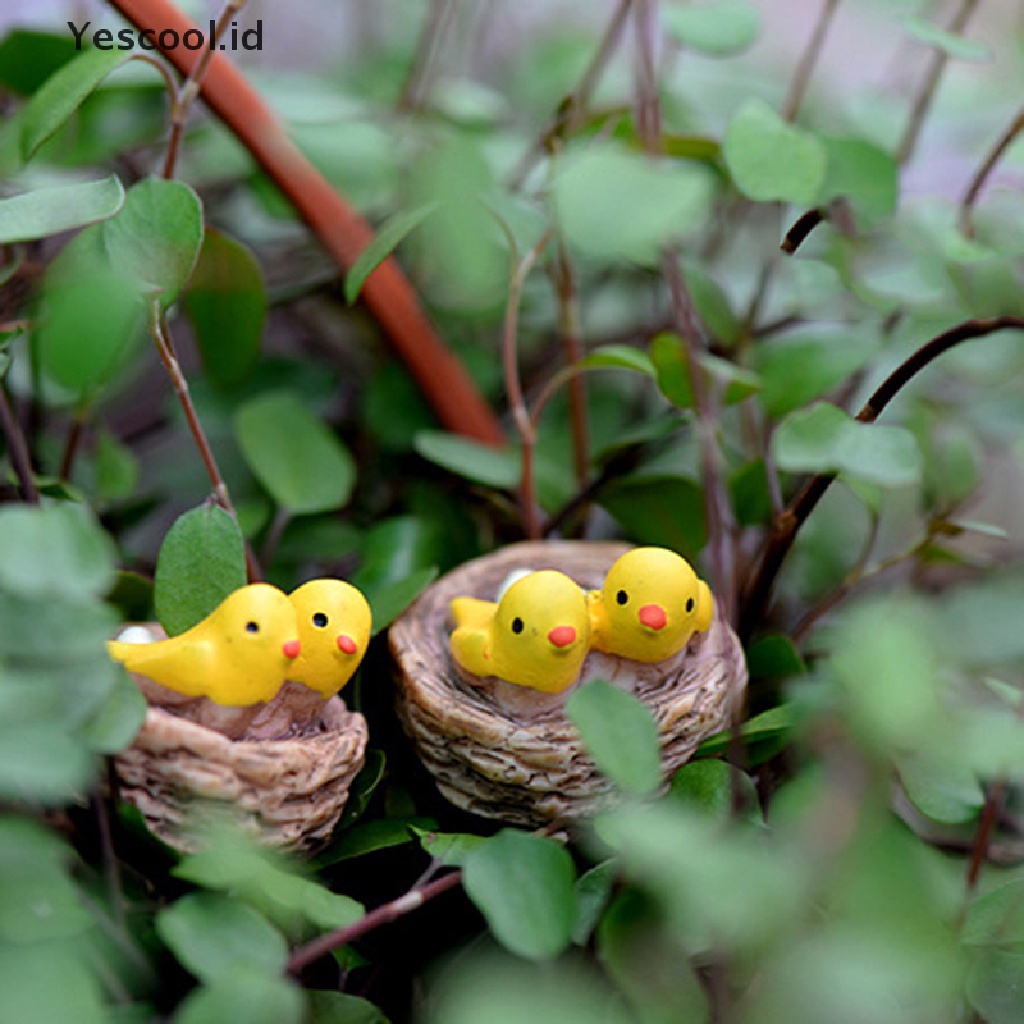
{"type": "Point", "coordinates": [448, 847]}
{"type": "Point", "coordinates": [772, 160]}
{"type": "Point", "coordinates": [942, 787]}
{"type": "Point", "coordinates": [28, 57]}
{"type": "Point", "coordinates": [40, 764]}
{"type": "Point", "coordinates": [227, 305]}
{"type": "Point", "coordinates": [114, 725]}
{"type": "Point", "coordinates": [862, 173]}
{"type": "Point", "coordinates": [593, 891]}
{"type": "Point", "coordinates": [707, 786]}
{"type": "Point", "coordinates": [379, 834]}
{"type": "Point", "coordinates": [481, 463]}
{"type": "Point", "coordinates": [996, 918]}
{"type": "Point", "coordinates": [711, 303]}
{"type": "Point", "coordinates": [293, 454]}
{"type": "Point", "coordinates": [523, 885]}
{"type": "Point", "coordinates": [341, 1008]}
{"type": "Point", "coordinates": [774, 657]}
{"type": "Point", "coordinates": [49, 211]}
{"type": "Point", "coordinates": [620, 734]}
{"type": "Point", "coordinates": [665, 511]}
{"type": "Point", "coordinates": [117, 469]}
{"type": "Point", "coordinates": [48, 982]}
{"type": "Point", "coordinates": [824, 439]}
{"type": "Point", "coordinates": [950, 43]}
{"type": "Point", "coordinates": [618, 356]}
{"type": "Point", "coordinates": [243, 995]}
{"type": "Point", "coordinates": [614, 204]}
{"type": "Point", "coordinates": [994, 984]}
{"type": "Point", "coordinates": [389, 600]}
{"type": "Point", "coordinates": [62, 94]}
{"type": "Point", "coordinates": [55, 550]}
{"type": "Point", "coordinates": [201, 562]}
{"type": "Point", "coordinates": [213, 935]}
{"type": "Point", "coordinates": [772, 726]}
{"type": "Point", "coordinates": [668, 353]}
{"type": "Point", "coordinates": [718, 29]}
{"type": "Point", "coordinates": [383, 243]}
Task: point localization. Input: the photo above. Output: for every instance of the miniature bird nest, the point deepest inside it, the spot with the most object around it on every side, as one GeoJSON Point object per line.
{"type": "Point", "coordinates": [508, 752]}
{"type": "Point", "coordinates": [289, 791]}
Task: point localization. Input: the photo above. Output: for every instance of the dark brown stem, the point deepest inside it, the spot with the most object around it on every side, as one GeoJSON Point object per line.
{"type": "Point", "coordinates": [647, 103]}
{"type": "Point", "coordinates": [571, 109]}
{"type": "Point", "coordinates": [190, 90]}
{"type": "Point", "coordinates": [797, 234]}
{"type": "Point", "coordinates": [981, 175]}
{"type": "Point", "coordinates": [923, 100]}
{"type": "Point", "coordinates": [786, 525]}
{"type": "Point", "coordinates": [986, 822]}
{"type": "Point", "coordinates": [431, 39]}
{"type": "Point", "coordinates": [17, 449]}
{"type": "Point", "coordinates": [809, 58]}
{"type": "Point", "coordinates": [412, 900]}
{"type": "Point", "coordinates": [71, 445]}
{"type": "Point", "coordinates": [111, 868]}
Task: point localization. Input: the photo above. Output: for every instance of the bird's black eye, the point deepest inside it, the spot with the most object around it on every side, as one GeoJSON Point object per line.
{"type": "Point", "coordinates": [622, 597]}
{"type": "Point", "coordinates": [689, 604]}
{"type": "Point", "coordinates": [252, 627]}
{"type": "Point", "coordinates": [517, 625]}
{"type": "Point", "coordinates": [319, 620]}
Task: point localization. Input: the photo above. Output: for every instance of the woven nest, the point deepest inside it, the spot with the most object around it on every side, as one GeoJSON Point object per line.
{"type": "Point", "coordinates": [290, 792]}
{"type": "Point", "coordinates": [508, 752]}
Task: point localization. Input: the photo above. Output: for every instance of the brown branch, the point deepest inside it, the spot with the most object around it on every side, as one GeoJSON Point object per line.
{"type": "Point", "coordinates": [797, 234]}
{"type": "Point", "coordinates": [436, 26]}
{"type": "Point", "coordinates": [71, 445]}
{"type": "Point", "coordinates": [786, 526]}
{"type": "Point", "coordinates": [923, 100]}
{"type": "Point", "coordinates": [17, 449]}
{"type": "Point", "coordinates": [981, 175]}
{"type": "Point", "coordinates": [809, 58]}
{"type": "Point", "coordinates": [412, 900]}
{"type": "Point", "coordinates": [979, 848]}
{"type": "Point", "coordinates": [341, 230]}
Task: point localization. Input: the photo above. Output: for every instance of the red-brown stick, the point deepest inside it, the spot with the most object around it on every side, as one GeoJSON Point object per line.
{"type": "Point", "coordinates": [341, 230]}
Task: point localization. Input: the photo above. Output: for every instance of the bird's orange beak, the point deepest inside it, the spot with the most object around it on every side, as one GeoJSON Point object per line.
{"type": "Point", "coordinates": [291, 648]}
{"type": "Point", "coordinates": [562, 636]}
{"type": "Point", "coordinates": [653, 616]}
{"type": "Point", "coordinates": [346, 644]}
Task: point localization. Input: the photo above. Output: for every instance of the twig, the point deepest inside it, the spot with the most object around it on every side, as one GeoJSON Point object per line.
{"type": "Point", "coordinates": [924, 98]}
{"type": "Point", "coordinates": [435, 27]}
{"type": "Point", "coordinates": [412, 900]}
{"type": "Point", "coordinates": [981, 175]}
{"type": "Point", "coordinates": [787, 525]}
{"type": "Point", "coordinates": [282, 517]}
{"type": "Point", "coordinates": [809, 58]}
{"type": "Point", "coordinates": [71, 445]}
{"type": "Point", "coordinates": [514, 389]}
{"type": "Point", "coordinates": [647, 103]}
{"type": "Point", "coordinates": [343, 232]}
{"type": "Point", "coordinates": [17, 449]}
{"type": "Point", "coordinates": [111, 870]}
{"type": "Point", "coordinates": [797, 234]}
{"type": "Point", "coordinates": [570, 110]}
{"type": "Point", "coordinates": [979, 849]}
{"type": "Point", "coordinates": [190, 90]}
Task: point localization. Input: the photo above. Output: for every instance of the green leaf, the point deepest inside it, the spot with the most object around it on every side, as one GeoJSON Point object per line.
{"type": "Point", "coordinates": [864, 174]}
{"type": "Point", "coordinates": [157, 236]}
{"type": "Point", "coordinates": [824, 439]}
{"type": "Point", "coordinates": [620, 734]}
{"type": "Point", "coordinates": [293, 454]}
{"type": "Point", "coordinates": [941, 787]}
{"type": "Point", "coordinates": [62, 94]}
{"type": "Point", "coordinates": [55, 551]}
{"type": "Point", "coordinates": [481, 463]}
{"type": "Point", "coordinates": [950, 43]}
{"type": "Point", "coordinates": [48, 982]}
{"type": "Point", "coordinates": [996, 918]}
{"type": "Point", "coordinates": [614, 204]}
{"type": "Point", "coordinates": [201, 562]}
{"type": "Point", "coordinates": [707, 786]}
{"type": "Point", "coordinates": [384, 242]}
{"type": "Point", "coordinates": [227, 305]}
{"type": "Point", "coordinates": [340, 1008]}
{"type": "Point", "coordinates": [994, 984]}
{"type": "Point", "coordinates": [618, 357]}
{"type": "Point", "coordinates": [49, 211]}
{"type": "Point", "coordinates": [114, 725]}
{"type": "Point", "coordinates": [388, 601]}
{"type": "Point", "coordinates": [665, 511]}
{"type": "Point", "coordinates": [772, 160]}
{"type": "Point", "coordinates": [211, 935]}
{"type": "Point", "coordinates": [721, 29]}
{"type": "Point", "coordinates": [245, 995]}
{"type": "Point", "coordinates": [89, 326]}
{"type": "Point", "coordinates": [379, 834]}
{"type": "Point", "coordinates": [774, 657]}
{"type": "Point", "coordinates": [672, 368]}
{"type": "Point", "coordinates": [523, 885]}
{"type": "Point", "coordinates": [39, 764]}
{"type": "Point", "coordinates": [117, 469]}
{"type": "Point", "coordinates": [28, 57]}
{"type": "Point", "coordinates": [449, 847]}
{"type": "Point", "coordinates": [711, 304]}
{"type": "Point", "coordinates": [593, 891]}
{"type": "Point", "coordinates": [772, 726]}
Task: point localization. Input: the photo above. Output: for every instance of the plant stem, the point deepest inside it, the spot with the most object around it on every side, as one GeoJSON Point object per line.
{"type": "Point", "coordinates": [71, 445]}
{"type": "Point", "coordinates": [923, 100]}
{"type": "Point", "coordinates": [981, 175]}
{"type": "Point", "coordinates": [436, 26]}
{"type": "Point", "coordinates": [17, 449]}
{"type": "Point", "coordinates": [797, 234]}
{"type": "Point", "coordinates": [788, 523]}
{"type": "Point", "coordinates": [986, 822]}
{"type": "Point", "coordinates": [808, 60]}
{"type": "Point", "coordinates": [412, 900]}
{"type": "Point", "coordinates": [190, 90]}
{"type": "Point", "coordinates": [343, 232]}
{"type": "Point", "coordinates": [647, 104]}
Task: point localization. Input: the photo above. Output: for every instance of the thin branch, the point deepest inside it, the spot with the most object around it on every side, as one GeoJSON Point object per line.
{"type": "Point", "coordinates": [343, 232]}
{"type": "Point", "coordinates": [570, 111]}
{"type": "Point", "coordinates": [436, 26]}
{"type": "Point", "coordinates": [926, 95]}
{"type": "Point", "coordinates": [514, 389]}
{"type": "Point", "coordinates": [190, 90]}
{"type": "Point", "coordinates": [412, 900]}
{"type": "Point", "coordinates": [981, 175]}
{"type": "Point", "coordinates": [808, 60]}
{"type": "Point", "coordinates": [71, 444]}
{"type": "Point", "coordinates": [111, 867]}
{"type": "Point", "coordinates": [787, 525]}
{"type": "Point", "coordinates": [994, 800]}
{"type": "Point", "coordinates": [645, 82]}
{"type": "Point", "coordinates": [797, 234]}
{"type": "Point", "coordinates": [17, 449]}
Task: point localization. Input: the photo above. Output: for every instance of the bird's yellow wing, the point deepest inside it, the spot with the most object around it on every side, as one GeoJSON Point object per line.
{"type": "Point", "coordinates": [472, 613]}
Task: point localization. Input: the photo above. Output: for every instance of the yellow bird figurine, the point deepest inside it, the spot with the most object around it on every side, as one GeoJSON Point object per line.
{"type": "Point", "coordinates": [334, 626]}
{"type": "Point", "coordinates": [651, 603]}
{"type": "Point", "coordinates": [537, 635]}
{"type": "Point", "coordinates": [240, 654]}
